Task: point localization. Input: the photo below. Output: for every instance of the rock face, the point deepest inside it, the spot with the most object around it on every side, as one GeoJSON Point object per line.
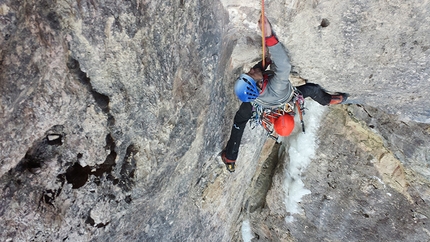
{"type": "Point", "coordinates": [365, 185]}
{"type": "Point", "coordinates": [113, 114]}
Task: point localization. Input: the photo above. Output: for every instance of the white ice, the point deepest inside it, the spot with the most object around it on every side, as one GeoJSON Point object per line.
{"type": "Point", "coordinates": [246, 231]}
{"type": "Point", "coordinates": [301, 150]}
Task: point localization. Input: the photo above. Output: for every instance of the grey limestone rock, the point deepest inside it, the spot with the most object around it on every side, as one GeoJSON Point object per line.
{"type": "Point", "coordinates": [113, 114]}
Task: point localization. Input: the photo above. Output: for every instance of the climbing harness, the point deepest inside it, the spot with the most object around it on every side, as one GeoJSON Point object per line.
{"type": "Point", "coordinates": [266, 117]}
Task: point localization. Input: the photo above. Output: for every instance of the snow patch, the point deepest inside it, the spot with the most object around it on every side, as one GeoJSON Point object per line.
{"type": "Point", "coordinates": [301, 151]}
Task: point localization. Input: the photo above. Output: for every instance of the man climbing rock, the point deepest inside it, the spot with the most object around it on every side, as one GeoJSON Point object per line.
{"type": "Point", "coordinates": [270, 89]}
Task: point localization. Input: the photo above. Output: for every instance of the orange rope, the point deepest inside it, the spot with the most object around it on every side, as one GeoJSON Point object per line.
{"type": "Point", "coordinates": [263, 37]}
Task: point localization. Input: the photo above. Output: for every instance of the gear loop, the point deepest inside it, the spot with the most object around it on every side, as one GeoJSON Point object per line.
{"type": "Point", "coordinates": [266, 117]}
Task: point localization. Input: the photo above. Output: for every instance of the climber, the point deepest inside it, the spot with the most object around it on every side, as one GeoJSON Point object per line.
{"type": "Point", "coordinates": [270, 89]}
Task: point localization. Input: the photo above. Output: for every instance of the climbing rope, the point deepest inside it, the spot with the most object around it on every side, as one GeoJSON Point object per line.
{"type": "Point", "coordinates": [263, 37]}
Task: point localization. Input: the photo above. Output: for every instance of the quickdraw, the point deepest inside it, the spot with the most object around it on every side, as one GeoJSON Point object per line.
{"type": "Point", "coordinates": [266, 117]}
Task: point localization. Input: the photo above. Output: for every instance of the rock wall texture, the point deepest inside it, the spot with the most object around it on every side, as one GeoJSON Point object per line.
{"type": "Point", "coordinates": [365, 184]}
{"type": "Point", "coordinates": [113, 114]}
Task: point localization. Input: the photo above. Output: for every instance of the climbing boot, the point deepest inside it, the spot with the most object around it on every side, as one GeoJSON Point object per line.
{"type": "Point", "coordinates": [338, 98]}
{"type": "Point", "coordinates": [228, 163]}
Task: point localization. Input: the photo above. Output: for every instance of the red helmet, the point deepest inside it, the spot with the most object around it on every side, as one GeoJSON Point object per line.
{"type": "Point", "coordinates": [284, 125]}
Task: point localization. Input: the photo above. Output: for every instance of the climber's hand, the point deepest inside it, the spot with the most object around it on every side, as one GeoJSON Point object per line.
{"type": "Point", "coordinates": [267, 27]}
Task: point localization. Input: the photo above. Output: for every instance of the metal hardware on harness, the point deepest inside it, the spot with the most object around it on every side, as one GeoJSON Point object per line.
{"type": "Point", "coordinates": [266, 116]}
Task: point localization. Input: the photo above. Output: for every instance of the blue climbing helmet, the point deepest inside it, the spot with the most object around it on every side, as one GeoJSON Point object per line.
{"type": "Point", "coordinates": [246, 89]}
